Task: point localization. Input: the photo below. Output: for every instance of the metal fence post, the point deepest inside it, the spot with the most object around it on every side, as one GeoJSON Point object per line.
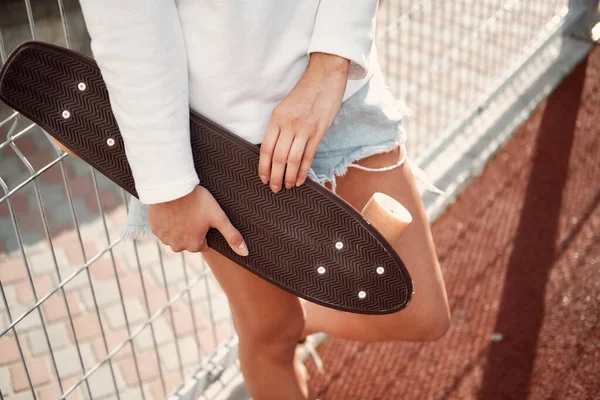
{"type": "Point", "coordinates": [590, 13]}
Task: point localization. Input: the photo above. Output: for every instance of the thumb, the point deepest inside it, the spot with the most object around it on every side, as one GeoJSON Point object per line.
{"type": "Point", "coordinates": [232, 235]}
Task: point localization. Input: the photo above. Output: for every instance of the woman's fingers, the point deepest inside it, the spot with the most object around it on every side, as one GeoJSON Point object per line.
{"type": "Point", "coordinates": [229, 232]}
{"type": "Point", "coordinates": [307, 159]}
{"type": "Point", "coordinates": [266, 152]}
{"type": "Point", "coordinates": [280, 158]}
{"type": "Point", "coordinates": [293, 161]}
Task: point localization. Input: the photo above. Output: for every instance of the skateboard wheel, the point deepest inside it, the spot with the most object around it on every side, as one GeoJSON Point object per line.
{"type": "Point", "coordinates": [388, 216]}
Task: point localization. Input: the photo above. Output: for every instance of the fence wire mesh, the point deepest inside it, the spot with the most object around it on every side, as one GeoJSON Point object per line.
{"type": "Point", "coordinates": [86, 315]}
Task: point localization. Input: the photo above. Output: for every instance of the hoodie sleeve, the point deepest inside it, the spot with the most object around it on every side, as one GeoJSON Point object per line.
{"type": "Point", "coordinates": [346, 29]}
{"type": "Point", "coordinates": [140, 49]}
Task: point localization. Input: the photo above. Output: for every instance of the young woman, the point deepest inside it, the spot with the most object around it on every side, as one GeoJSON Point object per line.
{"type": "Point", "coordinates": [300, 77]}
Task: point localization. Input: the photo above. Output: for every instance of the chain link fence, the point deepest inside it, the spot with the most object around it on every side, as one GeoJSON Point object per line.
{"type": "Point", "coordinates": [86, 315]}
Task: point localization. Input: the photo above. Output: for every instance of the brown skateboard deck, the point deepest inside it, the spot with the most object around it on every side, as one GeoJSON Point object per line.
{"type": "Point", "coordinates": [307, 240]}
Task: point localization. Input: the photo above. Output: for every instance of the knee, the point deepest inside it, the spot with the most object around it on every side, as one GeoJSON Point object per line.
{"type": "Point", "coordinates": [435, 325]}
{"type": "Point", "coordinates": [272, 334]}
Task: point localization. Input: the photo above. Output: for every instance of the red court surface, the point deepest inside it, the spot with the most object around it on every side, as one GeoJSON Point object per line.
{"type": "Point", "coordinates": [520, 252]}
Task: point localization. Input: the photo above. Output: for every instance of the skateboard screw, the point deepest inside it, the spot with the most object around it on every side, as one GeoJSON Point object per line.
{"type": "Point", "coordinates": [66, 114]}
{"type": "Point", "coordinates": [321, 270]}
{"type": "Point", "coordinates": [362, 294]}
{"type": "Point", "coordinates": [380, 270]}
{"type": "Point", "coordinates": [110, 141]}
{"type": "Point", "coordinates": [81, 86]}
{"type": "Point", "coordinates": [339, 245]}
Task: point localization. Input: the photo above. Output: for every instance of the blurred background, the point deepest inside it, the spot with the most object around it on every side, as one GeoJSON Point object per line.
{"type": "Point", "coordinates": [505, 103]}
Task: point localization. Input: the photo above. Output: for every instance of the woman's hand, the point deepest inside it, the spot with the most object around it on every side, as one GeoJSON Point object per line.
{"type": "Point", "coordinates": [183, 223]}
{"type": "Point", "coordinates": [300, 121]}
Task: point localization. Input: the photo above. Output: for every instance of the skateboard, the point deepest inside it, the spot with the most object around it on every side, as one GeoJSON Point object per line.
{"type": "Point", "coordinates": [307, 240]}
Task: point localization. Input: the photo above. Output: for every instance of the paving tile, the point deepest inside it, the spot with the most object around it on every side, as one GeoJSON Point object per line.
{"type": "Point", "coordinates": [194, 263]}
{"type": "Point", "coordinates": [102, 269]}
{"type": "Point", "coordinates": [78, 393]}
{"type": "Point", "coordinates": [13, 270]}
{"type": "Point", "coordinates": [172, 381]}
{"type": "Point", "coordinates": [118, 216]}
{"type": "Point", "coordinates": [108, 198]}
{"type": "Point", "coordinates": [157, 298]}
{"type": "Point", "coordinates": [74, 248]}
{"type": "Point", "coordinates": [147, 251]}
{"type": "Point", "coordinates": [136, 313]}
{"type": "Point", "coordinates": [106, 293]}
{"type": "Point", "coordinates": [55, 310]}
{"type": "Point", "coordinates": [43, 285]}
{"type": "Point", "coordinates": [43, 262]}
{"type": "Point", "coordinates": [114, 339]}
{"type": "Point", "coordinates": [218, 308]}
{"type": "Point", "coordinates": [147, 365]}
{"type": "Point", "coordinates": [199, 291]}
{"type": "Point", "coordinates": [86, 326]}
{"type": "Point", "coordinates": [4, 379]}
{"type": "Point", "coordinates": [68, 362]}
{"type": "Point", "coordinates": [162, 331]}
{"type": "Point", "coordinates": [208, 341]}
{"type": "Point", "coordinates": [224, 330]}
{"type": "Point", "coordinates": [39, 372]}
{"type": "Point", "coordinates": [182, 319]}
{"type": "Point", "coordinates": [93, 229]}
{"type": "Point", "coordinates": [69, 242]}
{"type": "Point", "coordinates": [25, 395]}
{"type": "Point", "coordinates": [10, 350]}
{"type": "Point", "coordinates": [131, 394]}
{"type": "Point", "coordinates": [188, 349]}
{"type": "Point", "coordinates": [49, 391]}
{"type": "Point", "coordinates": [173, 272]}
{"type": "Point", "coordinates": [10, 291]}
{"type": "Point", "coordinates": [131, 285]}
{"type": "Point", "coordinates": [79, 281]}
{"type": "Point", "coordinates": [101, 382]}
{"type": "Point", "coordinates": [31, 321]}
{"type": "Point", "coordinates": [58, 334]}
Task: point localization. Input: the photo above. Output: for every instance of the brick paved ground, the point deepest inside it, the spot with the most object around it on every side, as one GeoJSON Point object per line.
{"type": "Point", "coordinates": [181, 341]}
{"type": "Point", "coordinates": [520, 251]}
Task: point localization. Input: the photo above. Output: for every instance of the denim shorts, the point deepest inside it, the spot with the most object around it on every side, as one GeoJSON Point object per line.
{"type": "Point", "coordinates": [369, 122]}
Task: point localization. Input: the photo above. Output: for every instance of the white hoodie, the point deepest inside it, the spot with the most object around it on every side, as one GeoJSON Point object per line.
{"type": "Point", "coordinates": [232, 61]}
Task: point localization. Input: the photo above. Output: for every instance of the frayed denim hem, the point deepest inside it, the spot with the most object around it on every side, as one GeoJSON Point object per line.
{"type": "Point", "coordinates": [364, 152]}
{"type": "Point", "coordinates": [137, 225]}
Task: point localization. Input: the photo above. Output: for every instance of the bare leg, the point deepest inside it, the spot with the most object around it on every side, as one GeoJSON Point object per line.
{"type": "Point", "coordinates": [269, 323]}
{"type": "Point", "coordinates": [427, 317]}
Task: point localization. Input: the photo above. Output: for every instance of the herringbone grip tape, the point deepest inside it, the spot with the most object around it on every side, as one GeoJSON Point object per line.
{"type": "Point", "coordinates": [290, 234]}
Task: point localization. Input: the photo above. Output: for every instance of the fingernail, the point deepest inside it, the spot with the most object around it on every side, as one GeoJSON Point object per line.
{"type": "Point", "coordinates": [288, 186]}
{"type": "Point", "coordinates": [299, 182]}
{"type": "Point", "coordinates": [275, 188]}
{"type": "Point", "coordinates": [264, 179]}
{"type": "Point", "coordinates": [243, 249]}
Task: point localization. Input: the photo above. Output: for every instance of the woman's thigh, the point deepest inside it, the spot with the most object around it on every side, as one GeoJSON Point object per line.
{"type": "Point", "coordinates": [428, 310]}
{"type": "Point", "coordinates": [261, 311]}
